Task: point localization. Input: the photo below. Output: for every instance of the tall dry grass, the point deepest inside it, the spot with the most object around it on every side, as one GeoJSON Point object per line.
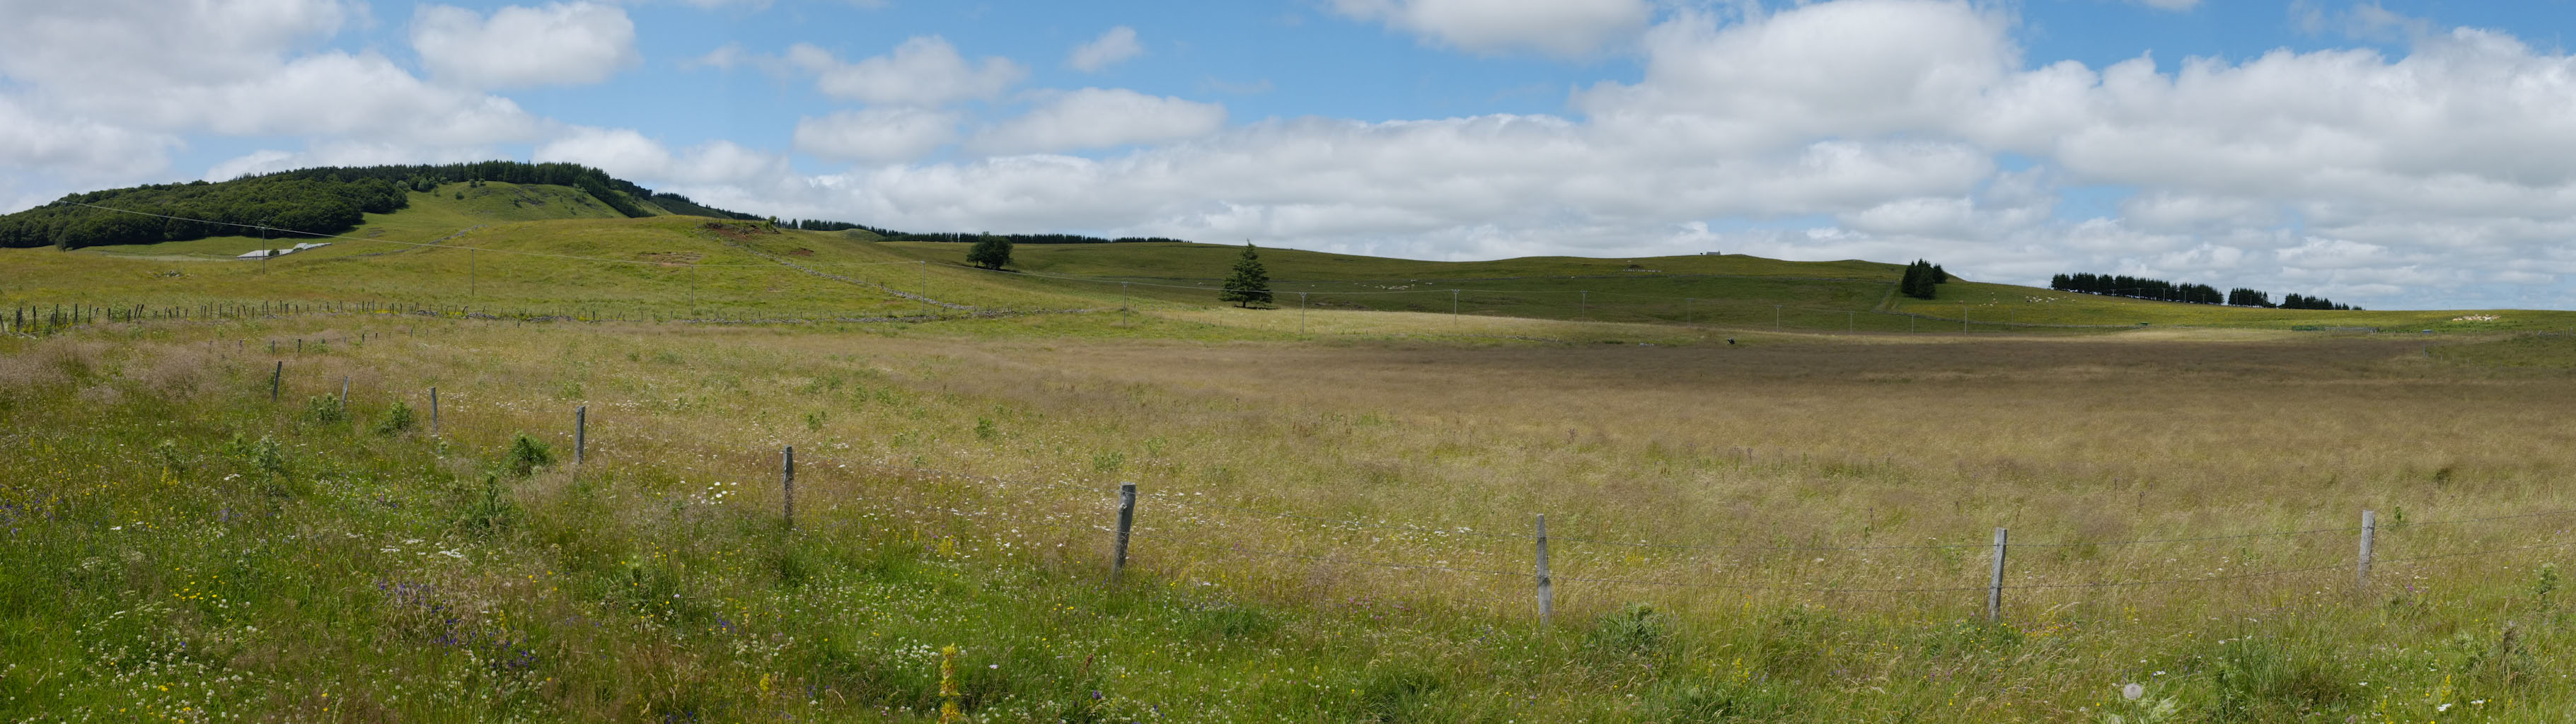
{"type": "Point", "coordinates": [1767, 483]}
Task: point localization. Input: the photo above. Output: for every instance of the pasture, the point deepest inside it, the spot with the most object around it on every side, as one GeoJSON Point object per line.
{"type": "Point", "coordinates": [1335, 521]}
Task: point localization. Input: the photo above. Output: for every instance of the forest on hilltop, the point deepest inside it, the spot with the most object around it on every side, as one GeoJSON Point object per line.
{"type": "Point", "coordinates": [312, 201]}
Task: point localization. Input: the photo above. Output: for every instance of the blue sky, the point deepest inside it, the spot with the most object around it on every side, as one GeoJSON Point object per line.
{"type": "Point", "coordinates": [2391, 154]}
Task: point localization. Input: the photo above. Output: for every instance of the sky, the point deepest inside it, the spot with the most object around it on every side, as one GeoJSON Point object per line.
{"type": "Point", "coordinates": [2395, 154]}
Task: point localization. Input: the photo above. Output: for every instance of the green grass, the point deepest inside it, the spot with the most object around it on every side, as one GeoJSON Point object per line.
{"type": "Point", "coordinates": [180, 548]}
{"type": "Point", "coordinates": [709, 279]}
{"type": "Point", "coordinates": [177, 547]}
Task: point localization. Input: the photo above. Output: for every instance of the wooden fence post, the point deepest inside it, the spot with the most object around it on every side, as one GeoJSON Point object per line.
{"type": "Point", "coordinates": [2369, 526]}
{"type": "Point", "coordinates": [787, 483]}
{"type": "Point", "coordinates": [276, 379]}
{"type": "Point", "coordinates": [1995, 587]}
{"type": "Point", "coordinates": [344, 392]}
{"type": "Point", "coordinates": [1126, 522]}
{"type": "Point", "coordinates": [433, 412]}
{"type": "Point", "coordinates": [580, 433]}
{"type": "Point", "coordinates": [1546, 584]}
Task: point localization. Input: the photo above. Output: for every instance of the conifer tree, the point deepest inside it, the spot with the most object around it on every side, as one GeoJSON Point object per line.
{"type": "Point", "coordinates": [1250, 283]}
{"type": "Point", "coordinates": [1919, 281]}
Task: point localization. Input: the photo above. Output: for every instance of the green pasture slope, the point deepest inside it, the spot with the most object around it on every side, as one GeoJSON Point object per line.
{"type": "Point", "coordinates": [518, 249]}
{"type": "Point", "coordinates": [1726, 290]}
{"type": "Point", "coordinates": [549, 250]}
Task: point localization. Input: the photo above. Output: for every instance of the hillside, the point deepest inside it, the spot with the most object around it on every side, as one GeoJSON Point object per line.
{"type": "Point", "coordinates": [1728, 290]}
{"type": "Point", "coordinates": [550, 248]}
{"type": "Point", "coordinates": [309, 202]}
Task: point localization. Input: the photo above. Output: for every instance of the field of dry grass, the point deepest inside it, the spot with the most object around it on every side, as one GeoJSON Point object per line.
{"type": "Point", "coordinates": [1785, 527]}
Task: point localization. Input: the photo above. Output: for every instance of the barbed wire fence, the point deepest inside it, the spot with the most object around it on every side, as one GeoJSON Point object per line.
{"type": "Point", "coordinates": [1169, 527]}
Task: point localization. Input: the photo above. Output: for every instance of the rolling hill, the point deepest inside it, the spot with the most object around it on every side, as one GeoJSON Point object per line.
{"type": "Point", "coordinates": [608, 247]}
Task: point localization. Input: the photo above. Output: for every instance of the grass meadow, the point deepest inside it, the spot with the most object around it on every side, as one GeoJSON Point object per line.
{"type": "Point", "coordinates": [1333, 523]}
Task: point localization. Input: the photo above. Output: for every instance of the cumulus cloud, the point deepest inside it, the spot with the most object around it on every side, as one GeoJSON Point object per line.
{"type": "Point", "coordinates": [560, 43]}
{"type": "Point", "coordinates": [876, 134]}
{"type": "Point", "coordinates": [1557, 27]}
{"type": "Point", "coordinates": [1111, 48]}
{"type": "Point", "coordinates": [1096, 117]}
{"type": "Point", "coordinates": [112, 44]}
{"type": "Point", "coordinates": [629, 154]}
{"type": "Point", "coordinates": [77, 146]}
{"type": "Point", "coordinates": [120, 83]}
{"type": "Point", "coordinates": [923, 71]}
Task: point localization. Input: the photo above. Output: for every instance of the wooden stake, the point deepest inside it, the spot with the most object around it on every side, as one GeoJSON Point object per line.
{"type": "Point", "coordinates": [276, 379]}
{"type": "Point", "coordinates": [787, 483]}
{"type": "Point", "coordinates": [2369, 526]}
{"type": "Point", "coordinates": [1126, 521]}
{"type": "Point", "coordinates": [1546, 584]}
{"type": "Point", "coordinates": [580, 433]}
{"type": "Point", "coordinates": [1995, 588]}
{"type": "Point", "coordinates": [433, 412]}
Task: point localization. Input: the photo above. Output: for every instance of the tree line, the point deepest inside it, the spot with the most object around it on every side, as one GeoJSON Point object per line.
{"type": "Point", "coordinates": [311, 201]}
{"type": "Point", "coordinates": [2161, 290]}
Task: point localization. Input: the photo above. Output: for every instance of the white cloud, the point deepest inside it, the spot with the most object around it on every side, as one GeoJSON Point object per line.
{"type": "Point", "coordinates": [560, 43]}
{"type": "Point", "coordinates": [876, 134]}
{"type": "Point", "coordinates": [2176, 5]}
{"type": "Point", "coordinates": [923, 71]}
{"type": "Point", "coordinates": [1859, 67]}
{"type": "Point", "coordinates": [629, 154]}
{"type": "Point", "coordinates": [1096, 117]}
{"type": "Point", "coordinates": [1557, 27]}
{"type": "Point", "coordinates": [119, 44]}
{"type": "Point", "coordinates": [77, 147]}
{"type": "Point", "coordinates": [621, 152]}
{"type": "Point", "coordinates": [1119, 44]}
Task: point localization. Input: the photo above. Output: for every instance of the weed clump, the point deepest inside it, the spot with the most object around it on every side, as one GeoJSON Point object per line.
{"type": "Point", "coordinates": [1682, 701]}
{"type": "Point", "coordinates": [324, 409]}
{"type": "Point", "coordinates": [1635, 630]}
{"type": "Point", "coordinates": [527, 454]}
{"type": "Point", "coordinates": [489, 513]}
{"type": "Point", "coordinates": [396, 421]}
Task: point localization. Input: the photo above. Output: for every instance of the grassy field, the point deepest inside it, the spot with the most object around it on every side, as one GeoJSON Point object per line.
{"type": "Point", "coordinates": [309, 561]}
{"type": "Point", "coordinates": [1337, 506]}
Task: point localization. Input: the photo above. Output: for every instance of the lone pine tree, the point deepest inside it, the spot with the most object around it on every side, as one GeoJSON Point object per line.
{"type": "Point", "coordinates": [1250, 283]}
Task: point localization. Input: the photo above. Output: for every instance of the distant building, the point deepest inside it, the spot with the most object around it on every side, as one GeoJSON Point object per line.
{"type": "Point", "coordinates": [257, 254]}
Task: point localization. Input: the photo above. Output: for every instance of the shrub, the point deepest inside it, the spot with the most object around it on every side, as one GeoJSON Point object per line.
{"type": "Point", "coordinates": [527, 454]}
{"type": "Point", "coordinates": [396, 420]}
{"type": "Point", "coordinates": [488, 513]}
